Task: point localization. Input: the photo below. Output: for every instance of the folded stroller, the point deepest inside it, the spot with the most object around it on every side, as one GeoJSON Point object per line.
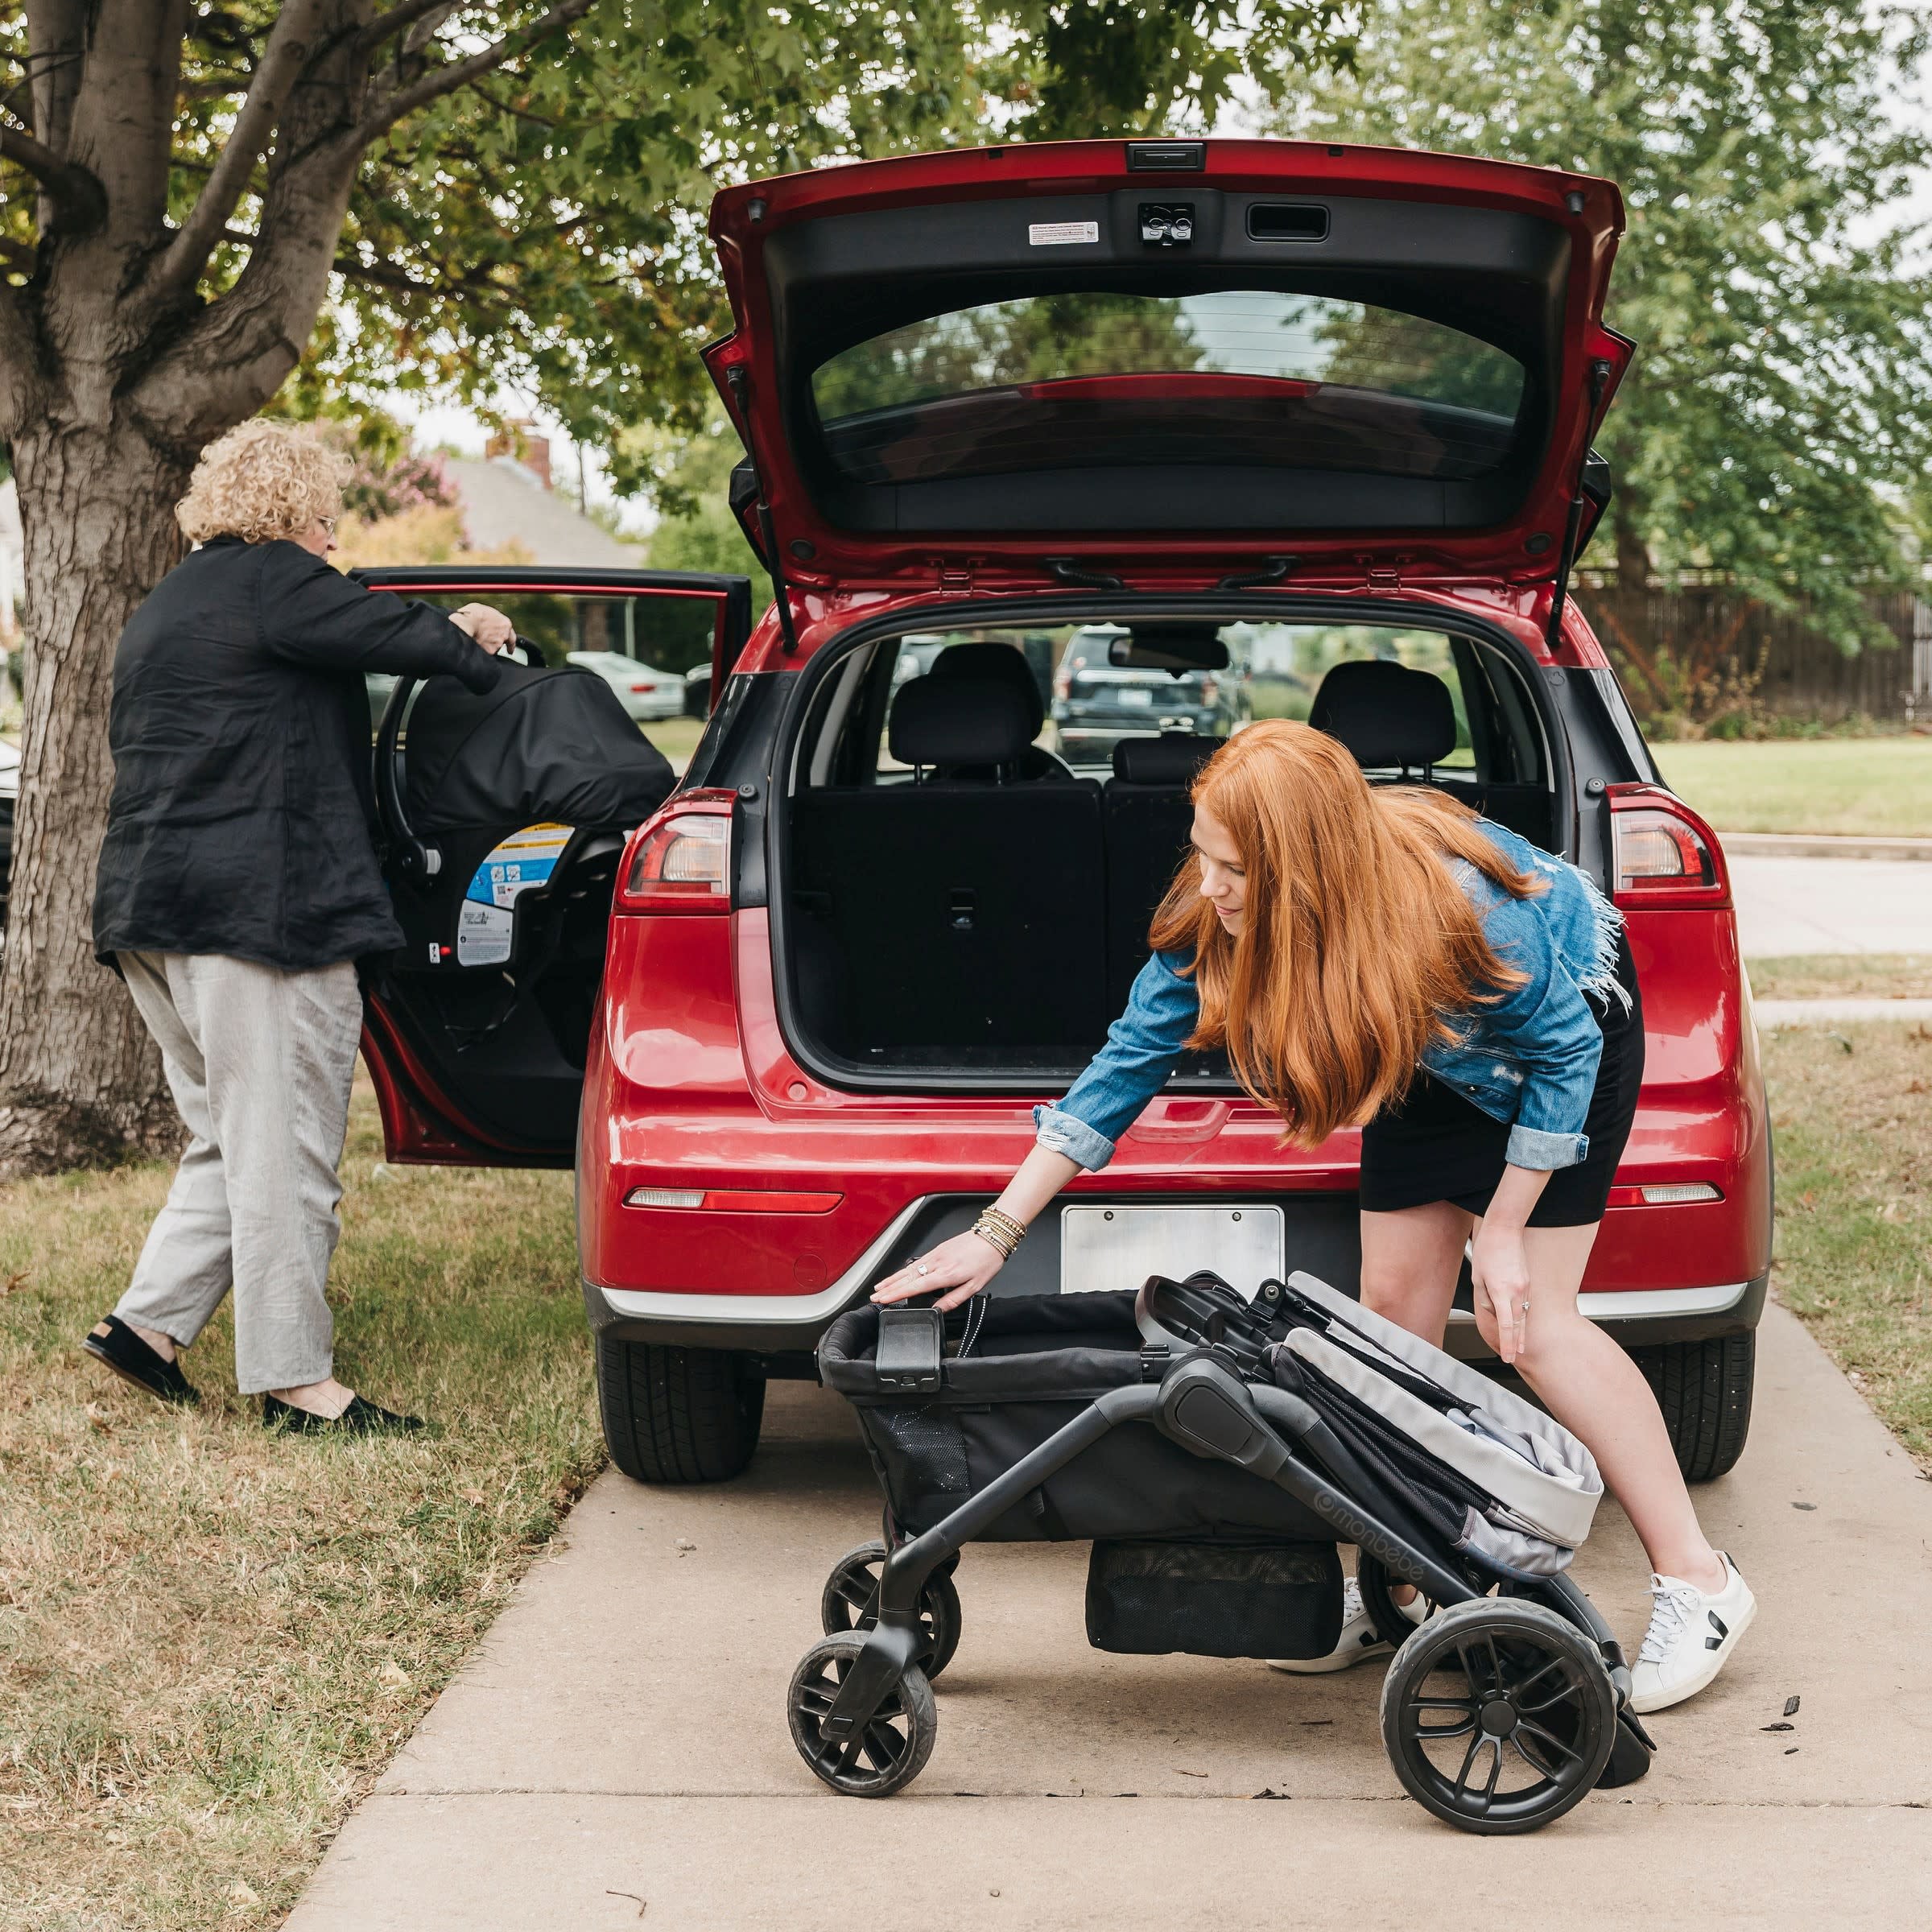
{"type": "Point", "coordinates": [1215, 1450]}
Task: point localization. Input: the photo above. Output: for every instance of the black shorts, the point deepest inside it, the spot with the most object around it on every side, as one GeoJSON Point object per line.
{"type": "Point", "coordinates": [1438, 1146]}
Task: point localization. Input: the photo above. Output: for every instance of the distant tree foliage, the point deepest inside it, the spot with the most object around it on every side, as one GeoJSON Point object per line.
{"type": "Point", "coordinates": [1777, 428]}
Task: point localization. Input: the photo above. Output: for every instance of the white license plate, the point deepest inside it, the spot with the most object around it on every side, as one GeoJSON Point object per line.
{"type": "Point", "coordinates": [1102, 1247]}
{"type": "Point", "coordinates": [1140, 699]}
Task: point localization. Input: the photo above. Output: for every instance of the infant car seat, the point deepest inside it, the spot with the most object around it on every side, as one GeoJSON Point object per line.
{"type": "Point", "coordinates": [505, 814]}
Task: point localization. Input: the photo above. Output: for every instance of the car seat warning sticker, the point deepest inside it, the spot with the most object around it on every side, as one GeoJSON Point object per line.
{"type": "Point", "coordinates": [486, 919]}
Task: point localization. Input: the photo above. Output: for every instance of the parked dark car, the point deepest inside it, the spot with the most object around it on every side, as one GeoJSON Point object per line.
{"type": "Point", "coordinates": [1097, 703]}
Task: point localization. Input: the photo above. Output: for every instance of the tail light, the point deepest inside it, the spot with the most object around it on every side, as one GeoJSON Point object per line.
{"type": "Point", "coordinates": [1063, 679]}
{"type": "Point", "coordinates": [1211, 691]}
{"type": "Point", "coordinates": [1662, 853]}
{"type": "Point", "coordinates": [680, 860]}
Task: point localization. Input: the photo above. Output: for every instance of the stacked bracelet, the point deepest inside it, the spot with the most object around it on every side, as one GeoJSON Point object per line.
{"type": "Point", "coordinates": [1001, 1230]}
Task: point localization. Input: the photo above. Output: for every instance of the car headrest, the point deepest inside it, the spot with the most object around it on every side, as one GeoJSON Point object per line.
{"type": "Point", "coordinates": [992, 664]}
{"type": "Point", "coordinates": [1173, 758]}
{"type": "Point", "coordinates": [1386, 714]}
{"type": "Point", "coordinates": [950, 721]}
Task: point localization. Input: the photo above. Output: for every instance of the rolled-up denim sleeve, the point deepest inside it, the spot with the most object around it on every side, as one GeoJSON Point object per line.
{"type": "Point", "coordinates": [1554, 1035]}
{"type": "Point", "coordinates": [1142, 1045]}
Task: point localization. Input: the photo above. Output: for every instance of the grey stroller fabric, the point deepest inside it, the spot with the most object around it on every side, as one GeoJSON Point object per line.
{"type": "Point", "coordinates": [1543, 1483]}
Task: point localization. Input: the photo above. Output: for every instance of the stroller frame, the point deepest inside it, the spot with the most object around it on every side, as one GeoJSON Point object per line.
{"type": "Point", "coordinates": [1202, 1403]}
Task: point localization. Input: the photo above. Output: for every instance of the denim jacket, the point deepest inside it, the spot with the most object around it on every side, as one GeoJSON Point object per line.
{"type": "Point", "coordinates": [1530, 1058]}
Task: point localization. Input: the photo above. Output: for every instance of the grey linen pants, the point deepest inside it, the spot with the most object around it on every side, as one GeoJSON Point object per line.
{"type": "Point", "coordinates": [260, 1062]}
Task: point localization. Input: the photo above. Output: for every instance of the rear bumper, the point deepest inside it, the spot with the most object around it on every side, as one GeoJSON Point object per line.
{"type": "Point", "coordinates": [772, 1324]}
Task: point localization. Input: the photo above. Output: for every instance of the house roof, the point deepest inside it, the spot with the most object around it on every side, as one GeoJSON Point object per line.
{"type": "Point", "coordinates": [503, 502]}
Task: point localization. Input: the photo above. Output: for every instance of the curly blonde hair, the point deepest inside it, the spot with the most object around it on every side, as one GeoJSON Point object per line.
{"type": "Point", "coordinates": [260, 481]}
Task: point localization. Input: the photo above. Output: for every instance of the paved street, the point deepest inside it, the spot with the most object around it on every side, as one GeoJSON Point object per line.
{"type": "Point", "coordinates": [617, 1754]}
{"type": "Point", "coordinates": [1792, 906]}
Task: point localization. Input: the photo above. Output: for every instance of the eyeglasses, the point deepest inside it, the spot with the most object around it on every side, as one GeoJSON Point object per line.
{"type": "Point", "coordinates": [328, 523]}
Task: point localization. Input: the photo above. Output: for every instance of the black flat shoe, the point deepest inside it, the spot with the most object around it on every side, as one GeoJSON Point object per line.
{"type": "Point", "coordinates": [115, 1344]}
{"type": "Point", "coordinates": [359, 1418]}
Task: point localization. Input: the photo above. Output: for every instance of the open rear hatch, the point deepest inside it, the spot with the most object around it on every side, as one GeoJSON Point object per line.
{"type": "Point", "coordinates": [1178, 359]}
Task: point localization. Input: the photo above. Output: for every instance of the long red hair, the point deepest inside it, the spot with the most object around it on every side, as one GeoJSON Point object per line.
{"type": "Point", "coordinates": [1358, 948]}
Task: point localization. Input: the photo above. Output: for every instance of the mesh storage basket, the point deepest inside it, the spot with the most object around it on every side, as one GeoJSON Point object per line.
{"type": "Point", "coordinates": [1015, 1371]}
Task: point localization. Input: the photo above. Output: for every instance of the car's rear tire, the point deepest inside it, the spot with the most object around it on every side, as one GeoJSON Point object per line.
{"type": "Point", "coordinates": [1704, 1390]}
{"type": "Point", "coordinates": [679, 1415]}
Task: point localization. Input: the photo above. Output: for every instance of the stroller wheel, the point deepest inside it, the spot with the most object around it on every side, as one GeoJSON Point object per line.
{"type": "Point", "coordinates": [1498, 1715]}
{"type": "Point", "coordinates": [891, 1750]}
{"type": "Point", "coordinates": [1376, 1584]}
{"type": "Point", "coordinates": [851, 1602]}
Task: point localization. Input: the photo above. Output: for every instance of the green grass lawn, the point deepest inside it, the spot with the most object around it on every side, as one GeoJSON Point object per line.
{"type": "Point", "coordinates": [1851, 1107]}
{"type": "Point", "coordinates": [1866, 786]}
{"type": "Point", "coordinates": [212, 1640]}
{"type": "Point", "coordinates": [676, 737]}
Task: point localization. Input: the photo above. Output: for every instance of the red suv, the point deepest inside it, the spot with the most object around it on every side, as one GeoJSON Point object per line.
{"type": "Point", "coordinates": [1270, 406]}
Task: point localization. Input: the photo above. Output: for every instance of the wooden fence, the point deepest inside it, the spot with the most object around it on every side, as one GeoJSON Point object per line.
{"type": "Point", "coordinates": [1705, 651]}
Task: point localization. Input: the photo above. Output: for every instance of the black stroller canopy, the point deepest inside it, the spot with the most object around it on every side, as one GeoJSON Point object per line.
{"type": "Point", "coordinates": [540, 745]}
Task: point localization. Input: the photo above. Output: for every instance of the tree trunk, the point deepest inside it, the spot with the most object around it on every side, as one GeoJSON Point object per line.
{"type": "Point", "coordinates": [80, 1082]}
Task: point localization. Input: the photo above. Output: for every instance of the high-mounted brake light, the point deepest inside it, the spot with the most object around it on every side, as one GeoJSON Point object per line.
{"type": "Point", "coordinates": [1663, 853]}
{"type": "Point", "coordinates": [681, 861]}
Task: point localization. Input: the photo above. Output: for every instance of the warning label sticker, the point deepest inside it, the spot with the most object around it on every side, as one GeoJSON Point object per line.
{"type": "Point", "coordinates": [483, 934]}
{"type": "Point", "coordinates": [1057, 234]}
{"type": "Point", "coordinates": [486, 919]}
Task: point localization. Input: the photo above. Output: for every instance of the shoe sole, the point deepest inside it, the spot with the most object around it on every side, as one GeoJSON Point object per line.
{"type": "Point", "coordinates": [1714, 1662]}
{"type": "Point", "coordinates": [1322, 1666]}
{"type": "Point", "coordinates": [189, 1401]}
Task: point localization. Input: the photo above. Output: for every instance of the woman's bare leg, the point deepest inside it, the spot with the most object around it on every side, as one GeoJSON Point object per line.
{"type": "Point", "coordinates": [1410, 1260]}
{"type": "Point", "coordinates": [1599, 1395]}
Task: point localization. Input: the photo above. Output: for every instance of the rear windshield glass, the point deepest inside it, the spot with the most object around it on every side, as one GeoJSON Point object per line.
{"type": "Point", "coordinates": [1243, 376]}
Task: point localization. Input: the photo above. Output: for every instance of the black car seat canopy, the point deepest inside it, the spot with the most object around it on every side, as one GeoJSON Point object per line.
{"type": "Point", "coordinates": [543, 745]}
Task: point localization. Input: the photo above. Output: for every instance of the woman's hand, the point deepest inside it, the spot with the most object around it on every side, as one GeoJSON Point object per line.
{"type": "Point", "coordinates": [962, 1266]}
{"type": "Point", "coordinates": [1499, 1269]}
{"type": "Point", "coordinates": [486, 624]}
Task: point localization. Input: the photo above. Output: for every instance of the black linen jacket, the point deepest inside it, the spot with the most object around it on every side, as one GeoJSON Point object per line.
{"type": "Point", "coordinates": [242, 817]}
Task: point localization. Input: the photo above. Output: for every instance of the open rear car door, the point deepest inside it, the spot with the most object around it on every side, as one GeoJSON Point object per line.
{"type": "Point", "coordinates": [475, 1033]}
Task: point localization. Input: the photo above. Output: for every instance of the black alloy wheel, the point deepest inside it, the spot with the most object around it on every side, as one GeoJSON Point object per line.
{"type": "Point", "coordinates": [1498, 1715]}
{"type": "Point", "coordinates": [851, 1602]}
{"type": "Point", "coordinates": [892, 1747]}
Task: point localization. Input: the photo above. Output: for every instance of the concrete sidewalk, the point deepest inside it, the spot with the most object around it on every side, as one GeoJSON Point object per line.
{"type": "Point", "coordinates": [1827, 1012]}
{"type": "Point", "coordinates": [1788, 906]}
{"type": "Point", "coordinates": [617, 1753]}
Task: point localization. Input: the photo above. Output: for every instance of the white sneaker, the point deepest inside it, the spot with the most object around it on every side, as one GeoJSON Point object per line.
{"type": "Point", "coordinates": [1357, 1640]}
{"type": "Point", "coordinates": [1692, 1633]}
